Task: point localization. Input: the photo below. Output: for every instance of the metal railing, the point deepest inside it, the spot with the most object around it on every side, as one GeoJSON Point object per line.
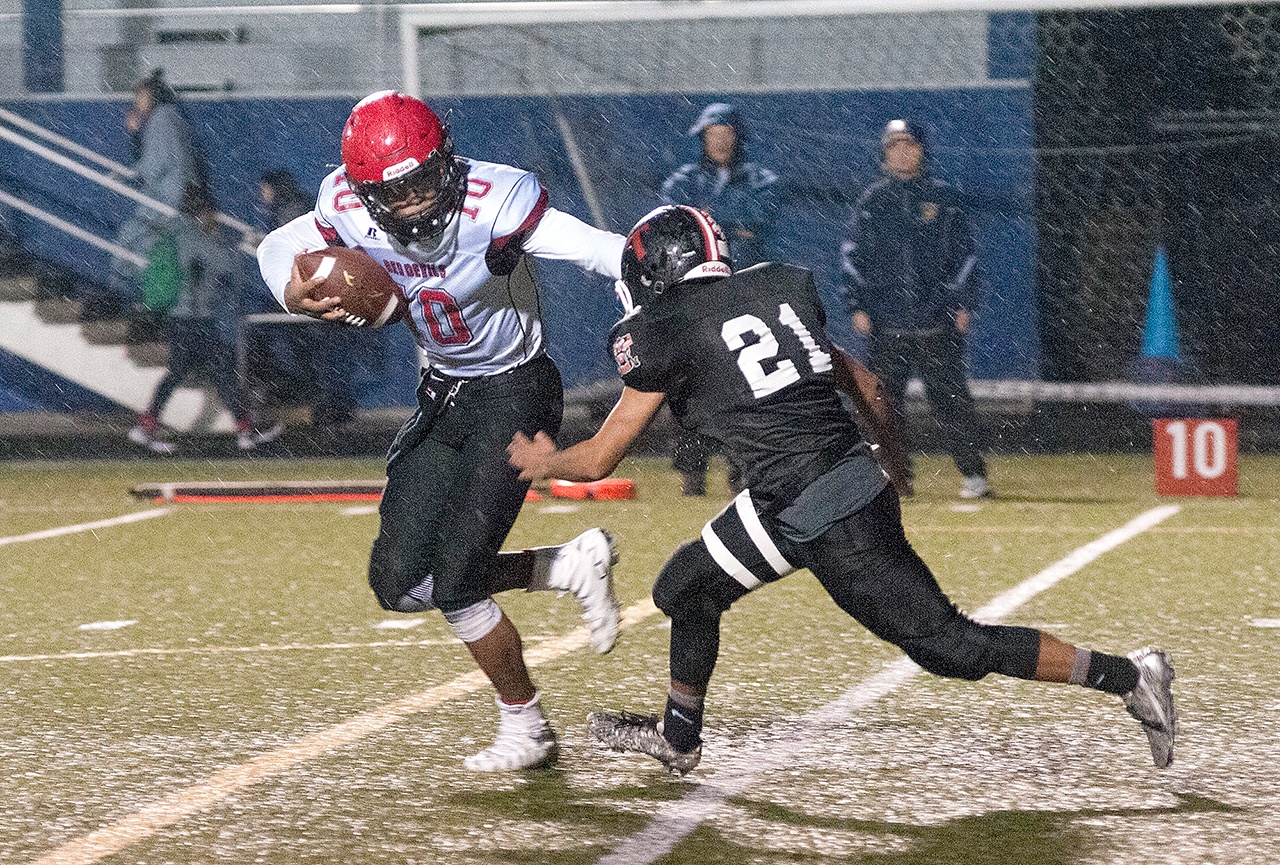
{"type": "Point", "coordinates": [250, 237]}
{"type": "Point", "coordinates": [72, 229]}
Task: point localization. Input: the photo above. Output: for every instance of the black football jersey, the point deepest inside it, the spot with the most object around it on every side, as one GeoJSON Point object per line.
{"type": "Point", "coordinates": [746, 361]}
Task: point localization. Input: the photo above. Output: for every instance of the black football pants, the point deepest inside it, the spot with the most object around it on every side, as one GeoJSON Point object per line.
{"type": "Point", "coordinates": [197, 345]}
{"type": "Point", "coordinates": [939, 360]}
{"type": "Point", "coordinates": [451, 496]}
{"type": "Point", "coordinates": [870, 570]}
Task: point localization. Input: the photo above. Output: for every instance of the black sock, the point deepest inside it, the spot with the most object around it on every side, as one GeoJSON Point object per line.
{"type": "Point", "coordinates": [1111, 673]}
{"type": "Point", "coordinates": [682, 722]}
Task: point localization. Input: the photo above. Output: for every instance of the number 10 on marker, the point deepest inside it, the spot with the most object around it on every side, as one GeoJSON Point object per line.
{"type": "Point", "coordinates": [1195, 457]}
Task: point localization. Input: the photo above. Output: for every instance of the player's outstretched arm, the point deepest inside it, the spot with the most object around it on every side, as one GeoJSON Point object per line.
{"type": "Point", "coordinates": [867, 393]}
{"type": "Point", "coordinates": [595, 458]}
{"type": "Point", "coordinates": [566, 238]}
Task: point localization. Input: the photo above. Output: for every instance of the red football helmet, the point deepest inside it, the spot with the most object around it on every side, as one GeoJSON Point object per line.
{"type": "Point", "coordinates": [400, 162]}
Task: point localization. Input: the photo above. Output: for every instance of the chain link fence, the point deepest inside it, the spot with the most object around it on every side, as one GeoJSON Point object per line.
{"type": "Point", "coordinates": [1157, 127]}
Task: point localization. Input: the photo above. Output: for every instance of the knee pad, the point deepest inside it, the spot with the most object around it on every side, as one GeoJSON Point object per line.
{"type": "Point", "coordinates": [476, 621]}
{"type": "Point", "coordinates": [692, 584]}
{"type": "Point", "coordinates": [966, 649]}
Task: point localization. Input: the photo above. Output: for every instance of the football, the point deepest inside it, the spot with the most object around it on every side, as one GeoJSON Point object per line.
{"type": "Point", "coordinates": [370, 297]}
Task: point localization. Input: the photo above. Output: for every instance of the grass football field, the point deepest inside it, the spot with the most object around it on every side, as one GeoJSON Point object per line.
{"type": "Point", "coordinates": [214, 683]}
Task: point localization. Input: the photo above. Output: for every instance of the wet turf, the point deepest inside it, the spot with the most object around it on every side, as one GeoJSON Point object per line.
{"type": "Point", "coordinates": [253, 633]}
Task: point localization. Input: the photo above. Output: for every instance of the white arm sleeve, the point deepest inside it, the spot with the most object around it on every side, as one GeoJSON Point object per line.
{"type": "Point", "coordinates": [278, 249]}
{"type": "Point", "coordinates": [567, 238]}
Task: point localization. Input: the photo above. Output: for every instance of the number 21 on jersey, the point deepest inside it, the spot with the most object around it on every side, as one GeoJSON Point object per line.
{"type": "Point", "coordinates": [752, 358]}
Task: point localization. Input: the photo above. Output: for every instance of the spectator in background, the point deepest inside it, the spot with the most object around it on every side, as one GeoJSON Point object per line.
{"type": "Point", "coordinates": [742, 196]}
{"type": "Point", "coordinates": [202, 324]}
{"type": "Point", "coordinates": [167, 163]}
{"type": "Point", "coordinates": [319, 354]}
{"type": "Point", "coordinates": [908, 264]}
{"type": "Point", "coordinates": [284, 197]}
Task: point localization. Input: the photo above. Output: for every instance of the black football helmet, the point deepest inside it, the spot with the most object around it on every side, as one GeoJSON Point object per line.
{"type": "Point", "coordinates": [671, 245]}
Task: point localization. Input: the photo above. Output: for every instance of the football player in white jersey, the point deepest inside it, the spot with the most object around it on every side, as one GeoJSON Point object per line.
{"type": "Point", "coordinates": [456, 234]}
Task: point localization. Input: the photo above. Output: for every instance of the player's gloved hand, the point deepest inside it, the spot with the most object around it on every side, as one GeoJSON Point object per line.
{"type": "Point", "coordinates": [298, 299]}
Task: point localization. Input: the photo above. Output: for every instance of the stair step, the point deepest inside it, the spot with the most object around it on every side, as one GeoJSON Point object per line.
{"type": "Point", "coordinates": [148, 328]}
{"type": "Point", "coordinates": [18, 288]}
{"type": "Point", "coordinates": [108, 331]}
{"type": "Point", "coordinates": [149, 353]}
{"type": "Point", "coordinates": [59, 310]}
{"type": "Point", "coordinates": [64, 350]}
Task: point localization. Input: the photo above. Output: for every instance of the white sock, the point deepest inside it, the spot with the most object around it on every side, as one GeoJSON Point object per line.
{"type": "Point", "coordinates": [528, 715]}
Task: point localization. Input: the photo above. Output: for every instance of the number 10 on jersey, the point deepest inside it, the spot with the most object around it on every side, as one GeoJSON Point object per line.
{"type": "Point", "coordinates": [1195, 457]}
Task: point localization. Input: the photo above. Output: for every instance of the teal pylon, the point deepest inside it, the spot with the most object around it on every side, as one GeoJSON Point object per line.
{"type": "Point", "coordinates": [1160, 333]}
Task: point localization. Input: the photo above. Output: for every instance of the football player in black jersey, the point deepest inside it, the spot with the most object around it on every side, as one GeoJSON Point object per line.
{"type": "Point", "coordinates": [744, 358]}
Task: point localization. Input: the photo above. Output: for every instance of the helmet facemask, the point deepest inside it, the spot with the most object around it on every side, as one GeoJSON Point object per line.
{"type": "Point", "coordinates": [441, 179]}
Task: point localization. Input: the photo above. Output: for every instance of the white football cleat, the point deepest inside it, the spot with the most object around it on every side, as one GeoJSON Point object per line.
{"type": "Point", "coordinates": [525, 741]}
{"type": "Point", "coordinates": [584, 567]}
{"type": "Point", "coordinates": [143, 437]}
{"type": "Point", "coordinates": [1151, 702]}
{"type": "Point", "coordinates": [249, 439]}
{"type": "Point", "coordinates": [975, 487]}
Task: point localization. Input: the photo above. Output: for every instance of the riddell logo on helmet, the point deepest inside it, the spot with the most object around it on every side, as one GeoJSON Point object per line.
{"type": "Point", "coordinates": [400, 169]}
{"type": "Point", "coordinates": [712, 268]}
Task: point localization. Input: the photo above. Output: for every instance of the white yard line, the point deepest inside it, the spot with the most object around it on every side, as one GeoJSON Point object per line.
{"type": "Point", "coordinates": [674, 821]}
{"type": "Point", "coordinates": [677, 819]}
{"type": "Point", "coordinates": [240, 650]}
{"type": "Point", "coordinates": [226, 650]}
{"type": "Point", "coordinates": [84, 527]}
{"type": "Point", "coordinates": [177, 806]}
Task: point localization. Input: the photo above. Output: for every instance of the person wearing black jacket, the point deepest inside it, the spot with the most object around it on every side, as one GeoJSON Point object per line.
{"type": "Point", "coordinates": [320, 357]}
{"type": "Point", "coordinates": [908, 264]}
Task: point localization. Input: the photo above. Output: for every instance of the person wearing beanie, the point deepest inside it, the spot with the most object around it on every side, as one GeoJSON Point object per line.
{"type": "Point", "coordinates": [907, 261]}
{"type": "Point", "coordinates": [742, 196]}
{"type": "Point", "coordinates": [200, 325]}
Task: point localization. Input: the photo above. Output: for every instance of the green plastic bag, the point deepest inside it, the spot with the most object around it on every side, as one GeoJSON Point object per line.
{"type": "Point", "coordinates": [163, 280]}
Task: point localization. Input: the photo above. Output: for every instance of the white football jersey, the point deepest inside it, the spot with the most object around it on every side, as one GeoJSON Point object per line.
{"type": "Point", "coordinates": [472, 301]}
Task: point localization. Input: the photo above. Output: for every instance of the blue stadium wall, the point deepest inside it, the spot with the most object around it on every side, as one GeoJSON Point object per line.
{"type": "Point", "coordinates": [825, 147]}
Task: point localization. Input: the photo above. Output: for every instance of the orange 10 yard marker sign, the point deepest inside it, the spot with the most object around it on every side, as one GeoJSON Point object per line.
{"type": "Point", "coordinates": [1195, 457]}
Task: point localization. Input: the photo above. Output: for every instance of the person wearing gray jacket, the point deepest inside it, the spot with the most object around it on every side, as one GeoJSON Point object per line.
{"type": "Point", "coordinates": [201, 325]}
{"type": "Point", "coordinates": [167, 163]}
